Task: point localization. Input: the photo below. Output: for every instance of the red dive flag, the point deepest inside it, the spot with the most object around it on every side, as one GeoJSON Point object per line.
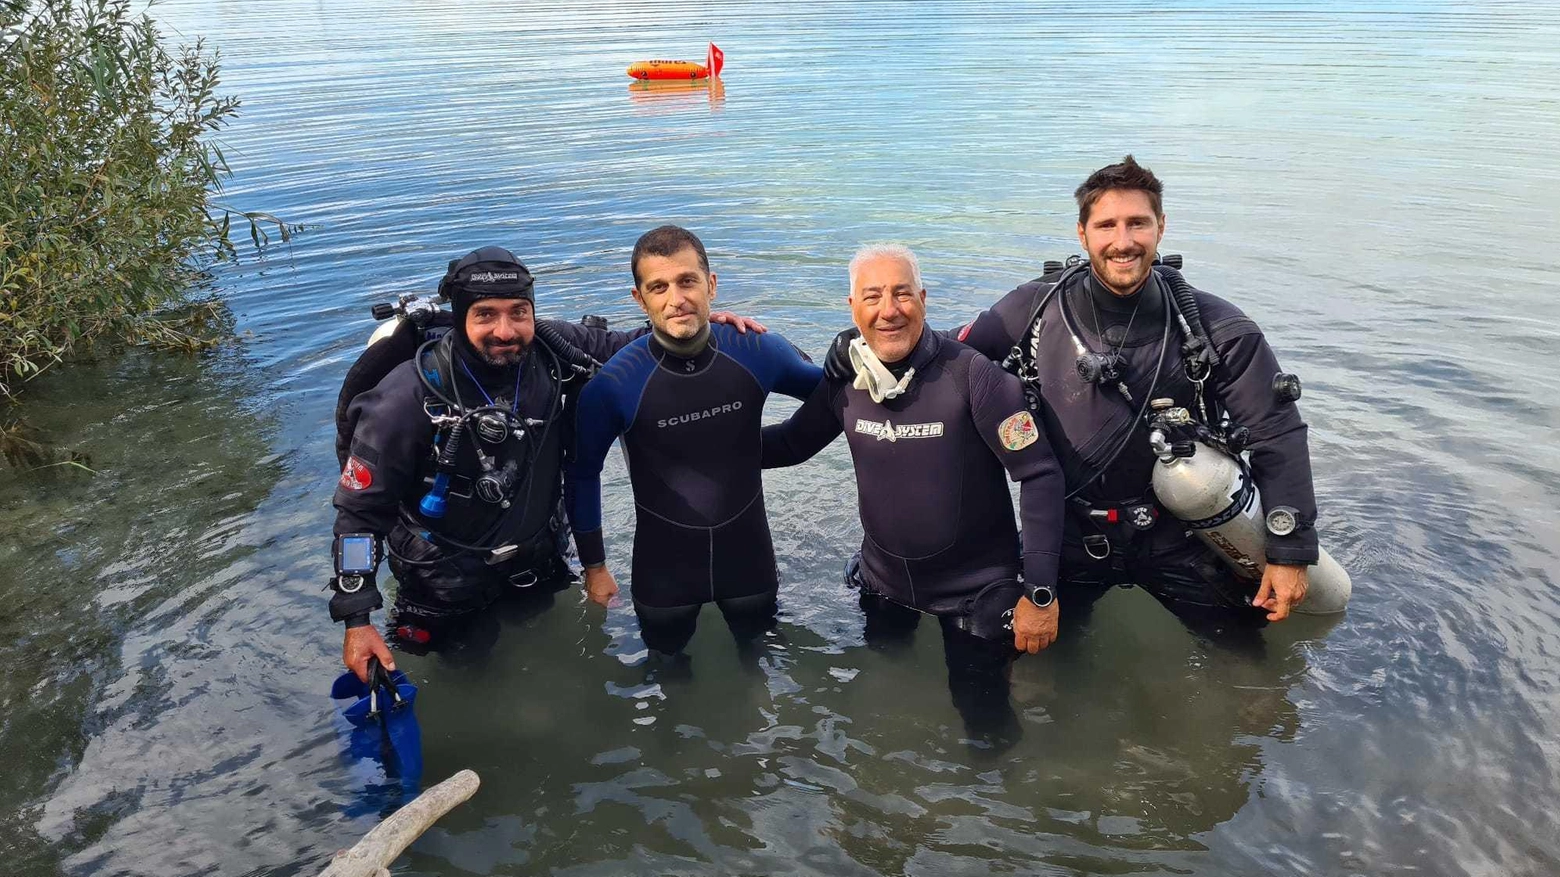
{"type": "Point", "coordinates": [714, 60]}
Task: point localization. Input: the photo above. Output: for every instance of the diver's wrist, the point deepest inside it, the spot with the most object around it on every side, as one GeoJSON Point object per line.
{"type": "Point", "coordinates": [1040, 595]}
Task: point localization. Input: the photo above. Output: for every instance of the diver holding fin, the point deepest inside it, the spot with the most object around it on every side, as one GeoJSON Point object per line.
{"type": "Point", "coordinates": [453, 432]}
{"type": "Point", "coordinates": [453, 459]}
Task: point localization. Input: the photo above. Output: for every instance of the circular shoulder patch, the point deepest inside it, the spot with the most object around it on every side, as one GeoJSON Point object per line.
{"type": "Point", "coordinates": [356, 475]}
{"type": "Point", "coordinates": [1018, 432]}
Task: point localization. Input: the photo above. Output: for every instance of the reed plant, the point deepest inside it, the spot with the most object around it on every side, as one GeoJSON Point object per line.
{"type": "Point", "coordinates": [110, 189]}
{"type": "Point", "coordinates": [110, 185]}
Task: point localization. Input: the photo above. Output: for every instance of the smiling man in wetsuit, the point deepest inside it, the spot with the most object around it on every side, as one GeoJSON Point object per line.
{"type": "Point", "coordinates": [494, 526]}
{"type": "Point", "coordinates": [1123, 309]}
{"type": "Point", "coordinates": [687, 401]}
{"type": "Point", "coordinates": [932, 426]}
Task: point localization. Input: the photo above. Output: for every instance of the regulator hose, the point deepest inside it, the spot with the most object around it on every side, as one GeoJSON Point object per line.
{"type": "Point", "coordinates": [565, 350]}
{"type": "Point", "coordinates": [537, 444]}
{"type": "Point", "coordinates": [1199, 346]}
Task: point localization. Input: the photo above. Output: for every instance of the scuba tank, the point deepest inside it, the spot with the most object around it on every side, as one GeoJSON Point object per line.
{"type": "Point", "coordinates": [1212, 493]}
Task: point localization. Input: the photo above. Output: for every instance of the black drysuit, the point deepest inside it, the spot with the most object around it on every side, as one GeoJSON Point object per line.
{"type": "Point", "coordinates": [392, 462]}
{"type": "Point", "coordinates": [938, 518]}
{"type": "Point", "coordinates": [1086, 421]}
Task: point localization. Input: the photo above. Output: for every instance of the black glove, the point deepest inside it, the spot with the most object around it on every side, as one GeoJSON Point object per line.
{"type": "Point", "coordinates": [836, 364]}
{"type": "Point", "coordinates": [353, 606]}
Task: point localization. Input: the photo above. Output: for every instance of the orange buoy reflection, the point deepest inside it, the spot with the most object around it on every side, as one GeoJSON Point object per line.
{"type": "Point", "coordinates": [652, 92]}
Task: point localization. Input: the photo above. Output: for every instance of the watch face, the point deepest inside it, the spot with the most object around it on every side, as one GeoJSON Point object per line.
{"type": "Point", "coordinates": [1042, 597]}
{"type": "Point", "coordinates": [1281, 522]}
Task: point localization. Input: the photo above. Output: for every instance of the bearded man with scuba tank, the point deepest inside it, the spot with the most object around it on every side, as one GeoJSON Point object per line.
{"type": "Point", "coordinates": [1142, 383]}
{"type": "Point", "coordinates": [452, 433]}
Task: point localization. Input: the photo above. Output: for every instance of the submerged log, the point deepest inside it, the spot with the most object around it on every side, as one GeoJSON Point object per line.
{"type": "Point", "coordinates": [372, 855]}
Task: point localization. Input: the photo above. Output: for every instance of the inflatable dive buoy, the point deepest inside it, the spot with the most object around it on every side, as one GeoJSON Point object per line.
{"type": "Point", "coordinates": [683, 71]}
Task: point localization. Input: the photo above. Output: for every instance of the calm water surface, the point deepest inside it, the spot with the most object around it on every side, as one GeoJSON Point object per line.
{"type": "Point", "coordinates": [1376, 185]}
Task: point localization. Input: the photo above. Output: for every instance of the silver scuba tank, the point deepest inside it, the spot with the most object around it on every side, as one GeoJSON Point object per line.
{"type": "Point", "coordinates": [1212, 493]}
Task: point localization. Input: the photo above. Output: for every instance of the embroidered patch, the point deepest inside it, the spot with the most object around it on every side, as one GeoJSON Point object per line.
{"type": "Point", "coordinates": [356, 475]}
{"type": "Point", "coordinates": [1018, 432]}
{"type": "Point", "coordinates": [965, 332]}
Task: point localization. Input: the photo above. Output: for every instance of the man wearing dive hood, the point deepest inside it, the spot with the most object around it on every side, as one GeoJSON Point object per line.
{"type": "Point", "coordinates": [932, 426]}
{"type": "Point", "coordinates": [1108, 341]}
{"type": "Point", "coordinates": [456, 460]}
{"type": "Point", "coordinates": [687, 401]}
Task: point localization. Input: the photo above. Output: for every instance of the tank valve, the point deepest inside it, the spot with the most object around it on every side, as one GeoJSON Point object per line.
{"type": "Point", "coordinates": [383, 310]}
{"type": "Point", "coordinates": [1162, 404]}
{"type": "Point", "coordinates": [1183, 449]}
{"type": "Point", "coordinates": [1160, 445]}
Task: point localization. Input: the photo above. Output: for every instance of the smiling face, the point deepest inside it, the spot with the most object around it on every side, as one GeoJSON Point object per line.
{"type": "Point", "coordinates": [500, 329]}
{"type": "Point", "coordinates": [1121, 236]}
{"type": "Point", "coordinates": [888, 307]}
{"type": "Point", "coordinates": [675, 292]}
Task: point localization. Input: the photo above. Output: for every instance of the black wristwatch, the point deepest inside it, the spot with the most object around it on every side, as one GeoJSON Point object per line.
{"type": "Point", "coordinates": [1040, 595]}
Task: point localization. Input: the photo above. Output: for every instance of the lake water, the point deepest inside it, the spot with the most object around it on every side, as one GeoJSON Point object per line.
{"type": "Point", "coordinates": [1375, 184]}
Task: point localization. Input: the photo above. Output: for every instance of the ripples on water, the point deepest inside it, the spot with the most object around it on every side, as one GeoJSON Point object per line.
{"type": "Point", "coordinates": [1375, 185]}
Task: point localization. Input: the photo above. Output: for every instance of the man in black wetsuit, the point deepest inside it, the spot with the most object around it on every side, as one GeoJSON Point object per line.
{"type": "Point", "coordinates": [932, 426]}
{"type": "Point", "coordinates": [1119, 312]}
{"type": "Point", "coordinates": [455, 459]}
{"type": "Point", "coordinates": [687, 401]}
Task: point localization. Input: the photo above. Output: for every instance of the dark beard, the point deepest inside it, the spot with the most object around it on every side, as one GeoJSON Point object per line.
{"type": "Point", "coordinates": [503, 360]}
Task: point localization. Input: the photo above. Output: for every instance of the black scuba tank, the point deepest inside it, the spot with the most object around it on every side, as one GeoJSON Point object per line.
{"type": "Point", "coordinates": [414, 325]}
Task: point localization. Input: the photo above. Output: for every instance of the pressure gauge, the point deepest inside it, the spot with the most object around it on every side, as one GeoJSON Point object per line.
{"type": "Point", "coordinates": [1283, 520]}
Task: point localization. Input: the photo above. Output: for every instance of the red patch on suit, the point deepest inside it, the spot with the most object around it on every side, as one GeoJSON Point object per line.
{"type": "Point", "coordinates": [965, 332]}
{"type": "Point", "coordinates": [356, 475]}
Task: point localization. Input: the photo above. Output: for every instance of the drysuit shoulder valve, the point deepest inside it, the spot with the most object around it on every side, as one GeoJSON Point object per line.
{"type": "Point", "coordinates": [1286, 387]}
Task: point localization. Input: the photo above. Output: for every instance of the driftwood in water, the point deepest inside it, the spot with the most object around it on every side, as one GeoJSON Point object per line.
{"type": "Point", "coordinates": [372, 855]}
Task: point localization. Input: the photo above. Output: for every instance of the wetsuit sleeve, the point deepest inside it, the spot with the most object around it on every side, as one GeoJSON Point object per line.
{"type": "Point", "coordinates": [995, 330]}
{"type": "Point", "coordinates": [390, 437]}
{"type": "Point", "coordinates": [1008, 428]}
{"type": "Point", "coordinates": [790, 373]}
{"type": "Point", "coordinates": [600, 344]}
{"type": "Point", "coordinates": [806, 432]}
{"type": "Point", "coordinates": [1280, 451]}
{"type": "Point", "coordinates": [598, 422]}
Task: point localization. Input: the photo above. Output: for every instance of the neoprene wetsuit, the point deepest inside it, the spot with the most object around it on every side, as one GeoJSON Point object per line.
{"type": "Point", "coordinates": [391, 464]}
{"type": "Point", "coordinates": [936, 511]}
{"type": "Point", "coordinates": [691, 430]}
{"type": "Point", "coordinates": [935, 507]}
{"type": "Point", "coordinates": [1085, 421]}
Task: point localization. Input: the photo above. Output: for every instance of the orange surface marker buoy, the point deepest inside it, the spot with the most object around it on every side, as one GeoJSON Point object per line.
{"type": "Point", "coordinates": [685, 71]}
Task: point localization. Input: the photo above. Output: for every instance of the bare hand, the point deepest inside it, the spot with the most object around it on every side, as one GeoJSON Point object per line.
{"type": "Point", "coordinates": [1283, 588]}
{"type": "Point", "coordinates": [1034, 628]}
{"type": "Point", "coordinates": [362, 643]}
{"type": "Point", "coordinates": [742, 324]}
{"type": "Point", "coordinates": [600, 586]}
